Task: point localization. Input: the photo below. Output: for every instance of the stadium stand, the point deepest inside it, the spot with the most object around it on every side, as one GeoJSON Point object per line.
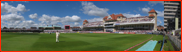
{"type": "Point", "coordinates": [94, 24]}
{"type": "Point", "coordinates": [120, 23]}
{"type": "Point", "coordinates": [111, 23]}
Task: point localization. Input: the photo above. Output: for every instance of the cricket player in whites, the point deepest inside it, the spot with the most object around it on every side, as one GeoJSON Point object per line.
{"type": "Point", "coordinates": [57, 36]}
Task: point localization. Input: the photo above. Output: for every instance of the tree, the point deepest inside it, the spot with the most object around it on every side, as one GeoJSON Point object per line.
{"type": "Point", "coordinates": [16, 28]}
{"type": "Point", "coordinates": [23, 28]}
{"type": "Point", "coordinates": [5, 28]}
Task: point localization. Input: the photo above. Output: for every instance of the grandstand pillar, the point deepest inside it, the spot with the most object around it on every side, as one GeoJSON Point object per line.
{"type": "Point", "coordinates": [104, 30]}
{"type": "Point", "coordinates": [155, 25]}
{"type": "Point", "coordinates": [176, 23]}
{"type": "Point", "coordinates": [114, 30]}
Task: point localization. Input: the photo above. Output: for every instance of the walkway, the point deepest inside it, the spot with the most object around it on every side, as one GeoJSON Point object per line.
{"type": "Point", "coordinates": [149, 46]}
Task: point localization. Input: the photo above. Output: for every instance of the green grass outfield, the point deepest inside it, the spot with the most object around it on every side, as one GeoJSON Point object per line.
{"type": "Point", "coordinates": [73, 42]}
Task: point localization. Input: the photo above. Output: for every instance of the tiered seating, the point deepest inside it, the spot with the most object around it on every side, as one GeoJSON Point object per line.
{"type": "Point", "coordinates": [136, 31]}
{"type": "Point", "coordinates": [94, 24]}
{"type": "Point", "coordinates": [136, 19]}
{"type": "Point", "coordinates": [55, 31]}
{"type": "Point", "coordinates": [89, 31]}
{"type": "Point", "coordinates": [70, 31]}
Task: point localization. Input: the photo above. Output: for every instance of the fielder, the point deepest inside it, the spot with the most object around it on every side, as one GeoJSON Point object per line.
{"type": "Point", "coordinates": [57, 36]}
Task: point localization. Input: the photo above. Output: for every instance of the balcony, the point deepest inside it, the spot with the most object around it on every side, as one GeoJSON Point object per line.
{"type": "Point", "coordinates": [109, 26]}
{"type": "Point", "coordinates": [169, 13]}
{"type": "Point", "coordinates": [165, 27]}
{"type": "Point", "coordinates": [170, 6]}
{"type": "Point", "coordinates": [165, 20]}
{"type": "Point", "coordinates": [168, 16]}
{"type": "Point", "coordinates": [169, 10]}
{"type": "Point", "coordinates": [171, 3]}
{"type": "Point", "coordinates": [109, 22]}
{"type": "Point", "coordinates": [165, 23]}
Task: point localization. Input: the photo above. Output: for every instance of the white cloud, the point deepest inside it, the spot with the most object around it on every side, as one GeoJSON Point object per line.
{"type": "Point", "coordinates": [160, 13]}
{"type": "Point", "coordinates": [21, 7]}
{"type": "Point", "coordinates": [33, 16]}
{"type": "Point", "coordinates": [12, 17]}
{"type": "Point", "coordinates": [131, 15]}
{"type": "Point", "coordinates": [146, 10]}
{"type": "Point", "coordinates": [73, 18]}
{"type": "Point", "coordinates": [2, 26]}
{"type": "Point", "coordinates": [159, 22]}
{"type": "Point", "coordinates": [45, 19]}
{"type": "Point", "coordinates": [95, 19]}
{"type": "Point", "coordinates": [27, 24]}
{"type": "Point", "coordinates": [13, 24]}
{"type": "Point", "coordinates": [152, 3]}
{"type": "Point", "coordinates": [10, 24]}
{"type": "Point", "coordinates": [76, 24]}
{"type": "Point", "coordinates": [6, 8]}
{"type": "Point", "coordinates": [90, 9]}
{"type": "Point", "coordinates": [53, 20]}
{"type": "Point", "coordinates": [21, 24]}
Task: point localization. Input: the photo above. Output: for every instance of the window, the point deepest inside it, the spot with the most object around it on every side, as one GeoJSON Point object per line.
{"type": "Point", "coordinates": [169, 12]}
{"type": "Point", "coordinates": [169, 5]}
{"type": "Point", "coordinates": [118, 17]}
{"type": "Point", "coordinates": [170, 15]}
{"type": "Point", "coordinates": [170, 8]}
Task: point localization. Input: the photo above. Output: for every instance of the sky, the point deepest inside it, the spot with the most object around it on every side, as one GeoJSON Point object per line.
{"type": "Point", "coordinates": [27, 14]}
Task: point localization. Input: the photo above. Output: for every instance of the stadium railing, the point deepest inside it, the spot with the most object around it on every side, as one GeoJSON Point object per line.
{"type": "Point", "coordinates": [162, 43]}
{"type": "Point", "coordinates": [175, 40]}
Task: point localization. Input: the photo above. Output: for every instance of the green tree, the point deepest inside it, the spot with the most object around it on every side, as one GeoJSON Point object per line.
{"type": "Point", "coordinates": [5, 28]}
{"type": "Point", "coordinates": [23, 28]}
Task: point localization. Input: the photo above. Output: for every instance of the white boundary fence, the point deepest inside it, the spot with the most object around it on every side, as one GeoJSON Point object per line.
{"type": "Point", "coordinates": [176, 41]}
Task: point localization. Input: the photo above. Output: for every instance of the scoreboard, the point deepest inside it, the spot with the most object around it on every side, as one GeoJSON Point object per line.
{"type": "Point", "coordinates": [67, 27]}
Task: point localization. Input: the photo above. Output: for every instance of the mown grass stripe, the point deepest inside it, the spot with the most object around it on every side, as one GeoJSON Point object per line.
{"type": "Point", "coordinates": [73, 41]}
